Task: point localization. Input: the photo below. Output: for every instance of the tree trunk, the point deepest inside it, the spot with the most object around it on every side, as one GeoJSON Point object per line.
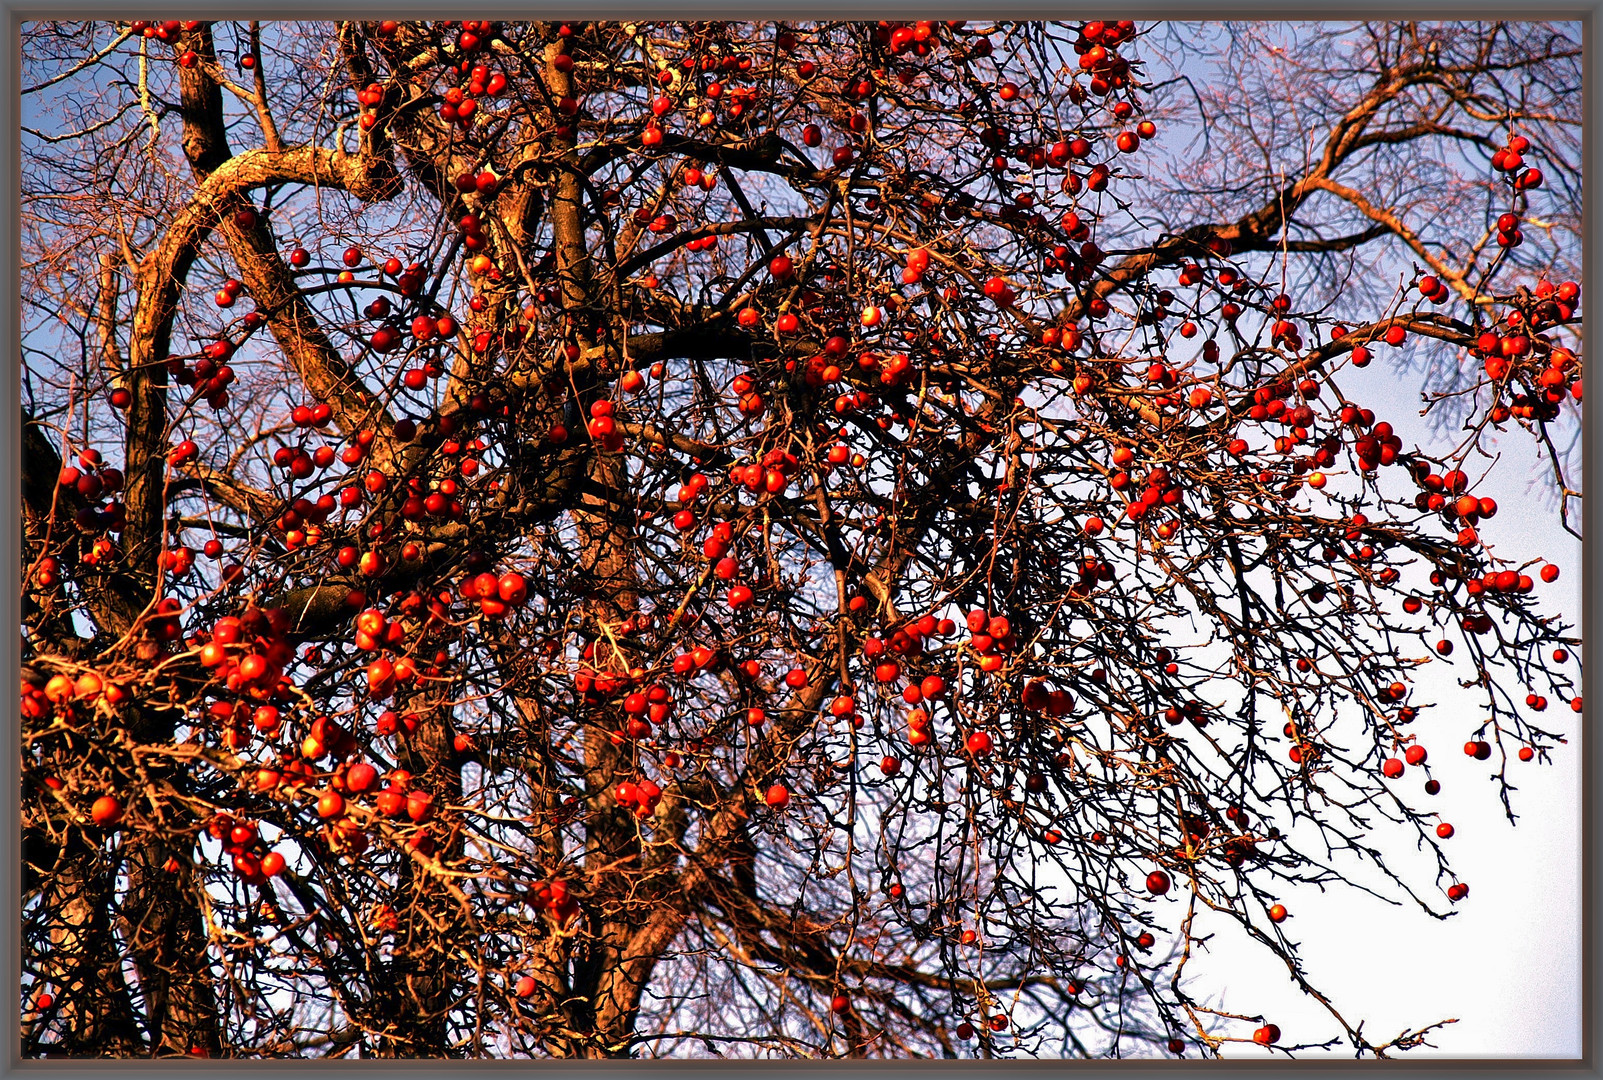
{"type": "Point", "coordinates": [93, 1015]}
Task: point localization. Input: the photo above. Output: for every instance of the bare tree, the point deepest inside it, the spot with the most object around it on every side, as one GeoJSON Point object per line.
{"type": "Point", "coordinates": [599, 540]}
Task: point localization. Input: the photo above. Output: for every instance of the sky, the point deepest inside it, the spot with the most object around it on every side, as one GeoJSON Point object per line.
{"type": "Point", "coordinates": [1507, 964]}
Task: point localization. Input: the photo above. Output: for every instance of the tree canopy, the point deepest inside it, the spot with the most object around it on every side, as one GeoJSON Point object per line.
{"type": "Point", "coordinates": [765, 539]}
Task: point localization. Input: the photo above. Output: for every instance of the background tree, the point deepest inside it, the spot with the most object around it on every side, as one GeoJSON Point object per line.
{"type": "Point", "coordinates": [697, 538]}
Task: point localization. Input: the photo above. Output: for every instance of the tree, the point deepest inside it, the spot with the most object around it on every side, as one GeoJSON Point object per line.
{"type": "Point", "coordinates": [672, 538]}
